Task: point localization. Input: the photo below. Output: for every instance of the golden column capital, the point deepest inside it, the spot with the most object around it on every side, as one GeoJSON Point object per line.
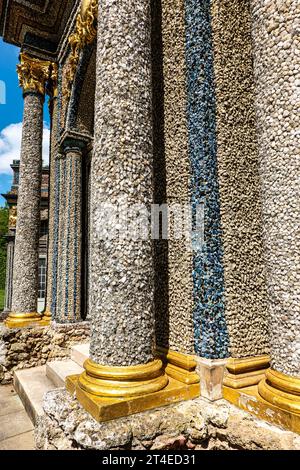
{"type": "Point", "coordinates": [33, 74]}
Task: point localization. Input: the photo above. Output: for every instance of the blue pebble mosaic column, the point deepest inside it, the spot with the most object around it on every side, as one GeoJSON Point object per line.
{"type": "Point", "coordinates": [211, 336]}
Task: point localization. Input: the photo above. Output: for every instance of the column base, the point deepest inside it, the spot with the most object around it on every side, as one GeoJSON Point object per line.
{"type": "Point", "coordinates": [281, 390]}
{"type": "Point", "coordinates": [246, 371]}
{"type": "Point", "coordinates": [250, 400]}
{"type": "Point", "coordinates": [179, 366]}
{"type": "Point", "coordinates": [106, 408]}
{"type": "Point", "coordinates": [113, 392]}
{"type": "Point", "coordinates": [47, 317]}
{"type": "Point", "coordinates": [23, 320]}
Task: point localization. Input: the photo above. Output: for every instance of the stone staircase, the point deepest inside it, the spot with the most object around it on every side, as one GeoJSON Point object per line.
{"type": "Point", "coordinates": [32, 384]}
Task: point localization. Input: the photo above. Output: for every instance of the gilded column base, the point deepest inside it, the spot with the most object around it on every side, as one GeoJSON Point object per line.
{"type": "Point", "coordinates": [281, 390]}
{"type": "Point", "coordinates": [47, 317]}
{"type": "Point", "coordinates": [246, 371]}
{"type": "Point", "coordinates": [22, 320]}
{"type": "Point", "coordinates": [179, 366]}
{"type": "Point", "coordinates": [113, 392]}
{"type": "Point", "coordinates": [249, 399]}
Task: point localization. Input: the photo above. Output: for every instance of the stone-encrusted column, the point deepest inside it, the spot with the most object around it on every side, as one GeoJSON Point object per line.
{"type": "Point", "coordinates": [277, 74]}
{"type": "Point", "coordinates": [122, 270]}
{"type": "Point", "coordinates": [122, 362]}
{"type": "Point", "coordinates": [9, 275]}
{"type": "Point", "coordinates": [33, 74]}
{"type": "Point", "coordinates": [68, 308]}
{"type": "Point", "coordinates": [52, 188]}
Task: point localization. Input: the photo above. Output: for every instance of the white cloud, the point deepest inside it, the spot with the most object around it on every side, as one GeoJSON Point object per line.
{"type": "Point", "coordinates": [10, 146]}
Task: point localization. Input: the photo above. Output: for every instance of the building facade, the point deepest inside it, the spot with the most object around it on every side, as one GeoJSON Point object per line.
{"type": "Point", "coordinates": [181, 104]}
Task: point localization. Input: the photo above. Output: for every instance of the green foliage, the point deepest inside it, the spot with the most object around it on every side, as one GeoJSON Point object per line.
{"type": "Point", "coordinates": [2, 294]}
{"type": "Point", "coordinates": [3, 232]}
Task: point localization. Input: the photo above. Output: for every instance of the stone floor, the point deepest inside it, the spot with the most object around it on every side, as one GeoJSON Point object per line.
{"type": "Point", "coordinates": [16, 429]}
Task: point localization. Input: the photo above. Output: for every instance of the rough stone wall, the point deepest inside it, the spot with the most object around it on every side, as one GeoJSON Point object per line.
{"type": "Point", "coordinates": [30, 347]}
{"type": "Point", "coordinates": [238, 175]}
{"type": "Point", "coordinates": [174, 290]}
{"type": "Point", "coordinates": [196, 424]}
{"type": "Point", "coordinates": [276, 35]}
{"type": "Point", "coordinates": [25, 273]}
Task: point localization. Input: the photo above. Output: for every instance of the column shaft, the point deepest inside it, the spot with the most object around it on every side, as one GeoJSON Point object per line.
{"type": "Point", "coordinates": [68, 305]}
{"type": "Point", "coordinates": [278, 118]}
{"type": "Point", "coordinates": [52, 190]}
{"type": "Point", "coordinates": [33, 74]}
{"type": "Point", "coordinates": [277, 75]}
{"type": "Point", "coordinates": [122, 270]}
{"type": "Point", "coordinates": [25, 279]}
{"type": "Point", "coordinates": [9, 277]}
{"type": "Point", "coordinates": [74, 233]}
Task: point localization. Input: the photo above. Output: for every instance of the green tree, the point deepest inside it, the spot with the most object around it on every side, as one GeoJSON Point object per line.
{"type": "Point", "coordinates": [3, 232]}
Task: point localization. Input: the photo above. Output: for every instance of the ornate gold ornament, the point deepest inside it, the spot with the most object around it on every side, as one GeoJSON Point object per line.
{"type": "Point", "coordinates": [85, 33]}
{"type": "Point", "coordinates": [13, 217]}
{"type": "Point", "coordinates": [54, 79]}
{"type": "Point", "coordinates": [33, 74]}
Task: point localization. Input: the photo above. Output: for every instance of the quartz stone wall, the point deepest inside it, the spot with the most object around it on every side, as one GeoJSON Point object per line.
{"type": "Point", "coordinates": [275, 33]}
{"type": "Point", "coordinates": [30, 347]}
{"type": "Point", "coordinates": [238, 176]}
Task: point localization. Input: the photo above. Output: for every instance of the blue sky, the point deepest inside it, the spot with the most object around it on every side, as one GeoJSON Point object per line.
{"type": "Point", "coordinates": [11, 113]}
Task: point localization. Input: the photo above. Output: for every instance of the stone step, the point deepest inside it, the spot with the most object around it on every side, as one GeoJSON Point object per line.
{"type": "Point", "coordinates": [80, 353]}
{"type": "Point", "coordinates": [57, 371]}
{"type": "Point", "coordinates": [31, 385]}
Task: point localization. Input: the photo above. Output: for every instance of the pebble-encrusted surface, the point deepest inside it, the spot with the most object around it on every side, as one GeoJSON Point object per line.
{"type": "Point", "coordinates": [275, 32]}
{"type": "Point", "coordinates": [195, 425]}
{"type": "Point", "coordinates": [121, 303]}
{"type": "Point", "coordinates": [31, 347]}
{"type": "Point", "coordinates": [58, 206]}
{"type": "Point", "coordinates": [65, 191]}
{"type": "Point", "coordinates": [211, 336]}
{"type": "Point", "coordinates": [72, 307]}
{"type": "Point", "coordinates": [25, 276]}
{"type": "Point", "coordinates": [174, 284]}
{"type": "Point", "coordinates": [52, 202]}
{"type": "Point", "coordinates": [238, 175]}
{"type": "Point", "coordinates": [9, 278]}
